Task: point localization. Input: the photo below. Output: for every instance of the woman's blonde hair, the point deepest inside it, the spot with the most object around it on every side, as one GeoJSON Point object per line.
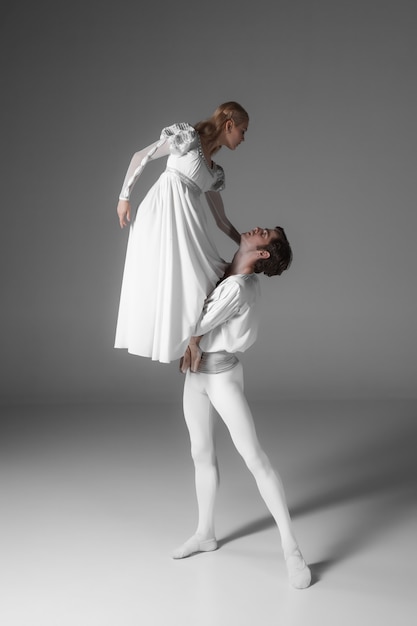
{"type": "Point", "coordinates": [211, 128]}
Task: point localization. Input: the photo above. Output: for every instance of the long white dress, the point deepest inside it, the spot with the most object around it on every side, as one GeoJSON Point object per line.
{"type": "Point", "coordinates": [171, 262]}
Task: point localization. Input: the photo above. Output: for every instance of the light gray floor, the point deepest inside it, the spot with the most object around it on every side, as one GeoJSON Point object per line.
{"type": "Point", "coordinates": [94, 499]}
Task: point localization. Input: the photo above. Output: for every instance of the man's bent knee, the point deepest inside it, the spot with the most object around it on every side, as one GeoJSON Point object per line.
{"type": "Point", "coordinates": [258, 463]}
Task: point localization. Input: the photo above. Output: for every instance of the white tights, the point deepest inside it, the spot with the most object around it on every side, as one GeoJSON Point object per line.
{"type": "Point", "coordinates": [225, 393]}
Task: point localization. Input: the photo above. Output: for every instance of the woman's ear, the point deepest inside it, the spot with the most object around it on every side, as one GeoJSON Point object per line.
{"type": "Point", "coordinates": [229, 126]}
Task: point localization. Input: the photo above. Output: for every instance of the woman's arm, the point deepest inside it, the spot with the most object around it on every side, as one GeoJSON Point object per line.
{"type": "Point", "coordinates": [156, 150]}
{"type": "Point", "coordinates": [215, 202]}
{"type": "Point", "coordinates": [137, 164]}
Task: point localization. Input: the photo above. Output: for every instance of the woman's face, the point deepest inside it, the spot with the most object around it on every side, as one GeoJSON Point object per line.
{"type": "Point", "coordinates": [235, 134]}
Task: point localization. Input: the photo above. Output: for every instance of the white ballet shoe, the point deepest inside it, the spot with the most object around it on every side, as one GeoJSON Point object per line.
{"type": "Point", "coordinates": [194, 544]}
{"type": "Point", "coordinates": [299, 573]}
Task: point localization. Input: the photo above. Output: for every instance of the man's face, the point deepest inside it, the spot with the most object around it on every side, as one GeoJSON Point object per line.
{"type": "Point", "coordinates": [258, 237]}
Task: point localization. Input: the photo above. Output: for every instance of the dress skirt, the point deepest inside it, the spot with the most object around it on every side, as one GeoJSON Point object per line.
{"type": "Point", "coordinates": [171, 266]}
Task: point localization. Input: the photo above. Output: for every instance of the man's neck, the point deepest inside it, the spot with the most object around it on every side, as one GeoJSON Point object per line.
{"type": "Point", "coordinates": [242, 263]}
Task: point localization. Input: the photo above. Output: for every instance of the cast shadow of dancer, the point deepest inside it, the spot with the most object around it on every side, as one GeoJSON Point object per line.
{"type": "Point", "coordinates": [384, 469]}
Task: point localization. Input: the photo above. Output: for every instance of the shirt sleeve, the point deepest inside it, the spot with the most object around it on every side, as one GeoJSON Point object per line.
{"type": "Point", "coordinates": [220, 306]}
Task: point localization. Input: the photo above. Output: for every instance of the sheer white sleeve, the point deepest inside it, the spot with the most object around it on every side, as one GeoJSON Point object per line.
{"type": "Point", "coordinates": [175, 139]}
{"type": "Point", "coordinates": [139, 160]}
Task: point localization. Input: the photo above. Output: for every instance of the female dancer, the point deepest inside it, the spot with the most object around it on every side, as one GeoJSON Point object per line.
{"type": "Point", "coordinates": [228, 324]}
{"type": "Point", "coordinates": [159, 308]}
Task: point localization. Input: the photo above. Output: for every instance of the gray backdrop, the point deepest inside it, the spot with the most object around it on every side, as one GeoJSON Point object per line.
{"type": "Point", "coordinates": [330, 155]}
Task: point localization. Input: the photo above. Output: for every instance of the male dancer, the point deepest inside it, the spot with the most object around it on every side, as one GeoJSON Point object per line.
{"type": "Point", "coordinates": [214, 378]}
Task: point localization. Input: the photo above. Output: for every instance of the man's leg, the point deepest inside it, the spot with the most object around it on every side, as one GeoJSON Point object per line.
{"type": "Point", "coordinates": [199, 419]}
{"type": "Point", "coordinates": [226, 394]}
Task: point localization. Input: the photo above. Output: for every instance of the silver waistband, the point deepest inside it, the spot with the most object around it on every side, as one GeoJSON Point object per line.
{"type": "Point", "coordinates": [184, 179]}
{"type": "Point", "coordinates": [217, 362]}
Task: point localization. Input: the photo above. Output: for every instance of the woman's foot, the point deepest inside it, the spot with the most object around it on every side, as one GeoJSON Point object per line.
{"type": "Point", "coordinates": [299, 573]}
{"type": "Point", "coordinates": [194, 544]}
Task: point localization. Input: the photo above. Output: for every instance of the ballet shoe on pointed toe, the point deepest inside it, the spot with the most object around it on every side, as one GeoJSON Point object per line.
{"type": "Point", "coordinates": [299, 573]}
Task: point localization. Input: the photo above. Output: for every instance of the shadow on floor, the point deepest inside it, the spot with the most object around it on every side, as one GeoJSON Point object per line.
{"type": "Point", "coordinates": [375, 477]}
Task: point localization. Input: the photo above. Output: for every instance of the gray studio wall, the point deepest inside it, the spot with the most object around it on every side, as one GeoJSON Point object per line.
{"type": "Point", "coordinates": [330, 155]}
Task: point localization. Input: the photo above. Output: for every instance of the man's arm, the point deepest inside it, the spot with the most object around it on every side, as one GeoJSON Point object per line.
{"type": "Point", "coordinates": [220, 306]}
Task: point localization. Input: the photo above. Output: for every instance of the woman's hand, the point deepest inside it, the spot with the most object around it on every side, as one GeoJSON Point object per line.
{"type": "Point", "coordinates": [123, 211]}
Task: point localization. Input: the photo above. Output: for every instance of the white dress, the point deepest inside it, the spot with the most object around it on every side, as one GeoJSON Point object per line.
{"type": "Point", "coordinates": [171, 262]}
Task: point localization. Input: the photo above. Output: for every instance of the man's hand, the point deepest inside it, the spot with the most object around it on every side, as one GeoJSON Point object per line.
{"type": "Point", "coordinates": [185, 361]}
{"type": "Point", "coordinates": [192, 357]}
{"type": "Point", "coordinates": [195, 354]}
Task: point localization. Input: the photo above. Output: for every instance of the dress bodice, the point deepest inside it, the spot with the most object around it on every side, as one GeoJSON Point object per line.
{"type": "Point", "coordinates": [187, 157]}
